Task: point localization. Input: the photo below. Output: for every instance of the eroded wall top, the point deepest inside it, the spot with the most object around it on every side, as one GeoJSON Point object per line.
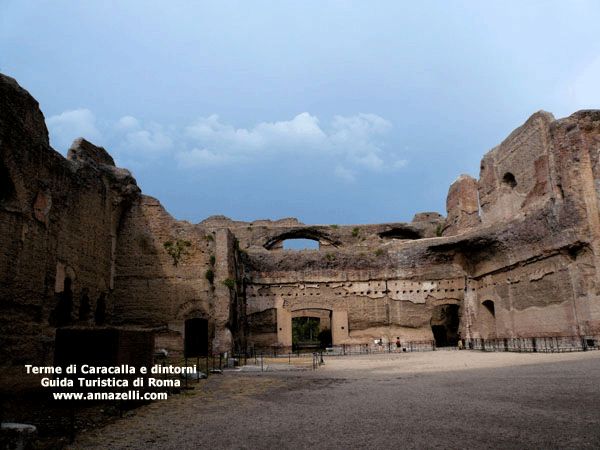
{"type": "Point", "coordinates": [516, 171]}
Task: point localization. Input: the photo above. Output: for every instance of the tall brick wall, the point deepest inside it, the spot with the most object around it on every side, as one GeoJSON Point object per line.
{"type": "Point", "coordinates": [76, 233]}
{"type": "Point", "coordinates": [58, 221]}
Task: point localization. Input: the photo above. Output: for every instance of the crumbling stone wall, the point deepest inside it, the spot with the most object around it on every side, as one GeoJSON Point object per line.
{"type": "Point", "coordinates": [515, 173]}
{"type": "Point", "coordinates": [521, 245]}
{"type": "Point", "coordinates": [373, 287]}
{"type": "Point", "coordinates": [159, 288]}
{"type": "Point", "coordinates": [462, 205]}
{"type": "Point", "coordinates": [58, 226]}
{"type": "Point", "coordinates": [541, 267]}
{"type": "Point", "coordinates": [516, 256]}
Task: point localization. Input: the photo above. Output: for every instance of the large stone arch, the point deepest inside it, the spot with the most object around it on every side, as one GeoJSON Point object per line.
{"type": "Point", "coordinates": [196, 337]}
{"type": "Point", "coordinates": [193, 316]}
{"type": "Point", "coordinates": [311, 233]}
{"type": "Point", "coordinates": [192, 309]}
{"type": "Point", "coordinates": [401, 233]}
{"type": "Point", "coordinates": [445, 322]}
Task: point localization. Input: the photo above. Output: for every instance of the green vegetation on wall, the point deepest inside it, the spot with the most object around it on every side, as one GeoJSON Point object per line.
{"type": "Point", "coordinates": [177, 249]}
{"type": "Point", "coordinates": [209, 275]}
{"type": "Point", "coordinates": [229, 282]}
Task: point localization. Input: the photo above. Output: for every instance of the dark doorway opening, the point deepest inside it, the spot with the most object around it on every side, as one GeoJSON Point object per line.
{"type": "Point", "coordinates": [61, 314]}
{"type": "Point", "coordinates": [440, 336]}
{"type": "Point", "coordinates": [325, 339]}
{"type": "Point", "coordinates": [196, 338]}
{"type": "Point", "coordinates": [487, 318]}
{"type": "Point", "coordinates": [509, 180]}
{"type": "Point", "coordinates": [7, 188]}
{"type": "Point", "coordinates": [444, 325]}
{"type": "Point", "coordinates": [490, 307]}
{"type": "Point", "coordinates": [305, 332]}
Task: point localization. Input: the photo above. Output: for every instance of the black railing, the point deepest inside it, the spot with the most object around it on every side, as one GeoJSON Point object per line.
{"type": "Point", "coordinates": [541, 344]}
{"type": "Point", "coordinates": [278, 351]}
{"type": "Point", "coordinates": [388, 347]}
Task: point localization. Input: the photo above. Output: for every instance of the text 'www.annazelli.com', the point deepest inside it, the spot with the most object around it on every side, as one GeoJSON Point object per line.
{"type": "Point", "coordinates": [129, 395]}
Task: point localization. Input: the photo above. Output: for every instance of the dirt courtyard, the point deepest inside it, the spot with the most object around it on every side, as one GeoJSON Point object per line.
{"type": "Point", "coordinates": [433, 400]}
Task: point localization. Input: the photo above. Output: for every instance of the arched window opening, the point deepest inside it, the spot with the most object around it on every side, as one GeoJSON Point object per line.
{"type": "Point", "coordinates": [509, 180]}
{"type": "Point", "coordinates": [196, 338]}
{"type": "Point", "coordinates": [303, 234]}
{"type": "Point", "coordinates": [100, 314]}
{"type": "Point", "coordinates": [300, 244]}
{"type": "Point", "coordinates": [487, 320]}
{"type": "Point", "coordinates": [400, 233]}
{"type": "Point", "coordinates": [61, 315]}
{"type": "Point", "coordinates": [490, 307]}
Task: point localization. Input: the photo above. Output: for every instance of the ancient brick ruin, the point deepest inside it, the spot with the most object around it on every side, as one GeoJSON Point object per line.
{"type": "Point", "coordinates": [80, 245]}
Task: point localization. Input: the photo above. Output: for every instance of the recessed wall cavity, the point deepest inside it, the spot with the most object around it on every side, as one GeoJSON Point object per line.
{"type": "Point", "coordinates": [509, 180]}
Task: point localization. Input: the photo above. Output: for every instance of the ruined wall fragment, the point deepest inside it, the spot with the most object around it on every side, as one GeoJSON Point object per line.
{"type": "Point", "coordinates": [508, 175]}
{"type": "Point", "coordinates": [58, 225]}
{"type": "Point", "coordinates": [79, 244]}
{"type": "Point", "coordinates": [462, 206]}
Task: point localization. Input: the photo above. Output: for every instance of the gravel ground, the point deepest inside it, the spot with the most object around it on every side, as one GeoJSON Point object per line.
{"type": "Point", "coordinates": [433, 400]}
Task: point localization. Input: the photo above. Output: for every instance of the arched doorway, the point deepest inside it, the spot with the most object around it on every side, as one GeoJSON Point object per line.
{"type": "Point", "coordinates": [311, 329]}
{"type": "Point", "coordinates": [300, 244]}
{"type": "Point", "coordinates": [196, 338]}
{"type": "Point", "coordinates": [487, 319]}
{"type": "Point", "coordinates": [275, 242]}
{"type": "Point", "coordinates": [444, 325]}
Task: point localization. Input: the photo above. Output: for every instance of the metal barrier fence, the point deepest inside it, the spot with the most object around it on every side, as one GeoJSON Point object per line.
{"type": "Point", "coordinates": [365, 349]}
{"type": "Point", "coordinates": [553, 344]}
{"type": "Point", "coordinates": [276, 351]}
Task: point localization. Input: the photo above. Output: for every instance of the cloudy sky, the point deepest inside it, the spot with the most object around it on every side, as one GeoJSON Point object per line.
{"type": "Point", "coordinates": [331, 111]}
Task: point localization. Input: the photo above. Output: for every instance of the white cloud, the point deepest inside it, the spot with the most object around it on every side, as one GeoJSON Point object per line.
{"type": "Point", "coordinates": [583, 89]}
{"type": "Point", "coordinates": [210, 129]}
{"type": "Point", "coordinates": [70, 125]}
{"type": "Point", "coordinates": [135, 138]}
{"type": "Point", "coordinates": [345, 174]}
{"type": "Point", "coordinates": [127, 123]}
{"type": "Point", "coordinates": [204, 158]}
{"type": "Point", "coordinates": [369, 161]}
{"type": "Point", "coordinates": [361, 125]}
{"type": "Point", "coordinates": [147, 141]}
{"type": "Point", "coordinates": [358, 137]}
{"type": "Point", "coordinates": [303, 128]}
{"type": "Point", "coordinates": [352, 139]}
{"type": "Point", "coordinates": [350, 143]}
{"type": "Point", "coordinates": [400, 163]}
